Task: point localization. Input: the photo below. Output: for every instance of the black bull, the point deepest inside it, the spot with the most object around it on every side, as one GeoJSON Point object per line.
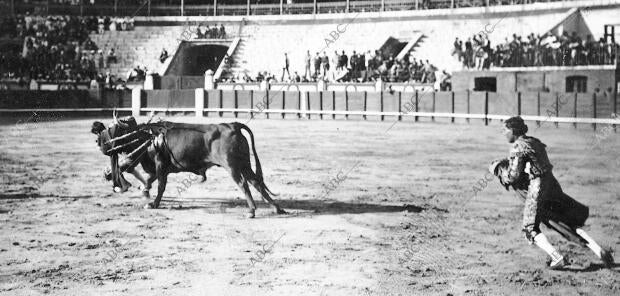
{"type": "Point", "coordinates": [167, 147]}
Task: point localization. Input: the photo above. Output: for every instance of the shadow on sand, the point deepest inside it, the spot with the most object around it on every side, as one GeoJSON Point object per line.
{"type": "Point", "coordinates": [315, 207]}
{"type": "Point", "coordinates": [37, 195]}
{"type": "Point", "coordinates": [591, 268]}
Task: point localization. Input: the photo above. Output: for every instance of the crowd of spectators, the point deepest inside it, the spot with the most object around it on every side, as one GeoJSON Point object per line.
{"type": "Point", "coordinates": [356, 67]}
{"type": "Point", "coordinates": [202, 31]}
{"type": "Point", "coordinates": [534, 50]}
{"type": "Point", "coordinates": [113, 24]}
{"type": "Point", "coordinates": [56, 48]}
{"type": "Point", "coordinates": [207, 32]}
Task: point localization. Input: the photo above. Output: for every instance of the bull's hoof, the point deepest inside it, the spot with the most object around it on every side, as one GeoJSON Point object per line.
{"type": "Point", "coordinates": [150, 206]}
{"type": "Point", "coordinates": [250, 214]}
{"type": "Point", "coordinates": [280, 211]}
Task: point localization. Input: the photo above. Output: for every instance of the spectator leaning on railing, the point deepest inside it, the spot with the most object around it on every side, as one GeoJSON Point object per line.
{"type": "Point", "coordinates": [207, 32]}
{"type": "Point", "coordinates": [535, 50]}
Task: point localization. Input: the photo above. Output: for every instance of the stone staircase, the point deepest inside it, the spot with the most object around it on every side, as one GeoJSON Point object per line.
{"type": "Point", "coordinates": [262, 46]}
{"type": "Point", "coordinates": [237, 66]}
{"type": "Point", "coordinates": [141, 46]}
{"type": "Point", "coordinates": [144, 44]}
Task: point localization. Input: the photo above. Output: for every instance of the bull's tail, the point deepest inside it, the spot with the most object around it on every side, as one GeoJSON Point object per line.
{"type": "Point", "coordinates": [259, 170]}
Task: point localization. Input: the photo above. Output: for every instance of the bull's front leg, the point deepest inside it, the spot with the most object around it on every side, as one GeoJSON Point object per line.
{"type": "Point", "coordinates": [162, 178]}
{"type": "Point", "coordinates": [161, 187]}
{"type": "Point", "coordinates": [149, 168]}
{"type": "Point", "coordinates": [149, 183]}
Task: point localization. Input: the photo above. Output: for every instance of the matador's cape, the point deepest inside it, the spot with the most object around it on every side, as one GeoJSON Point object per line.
{"type": "Point", "coordinates": [561, 213]}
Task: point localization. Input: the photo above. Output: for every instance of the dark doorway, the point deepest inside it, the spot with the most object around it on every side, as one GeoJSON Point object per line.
{"type": "Point", "coordinates": [392, 47]}
{"type": "Point", "coordinates": [485, 84]}
{"type": "Point", "coordinates": [195, 59]}
{"type": "Point", "coordinates": [577, 83]}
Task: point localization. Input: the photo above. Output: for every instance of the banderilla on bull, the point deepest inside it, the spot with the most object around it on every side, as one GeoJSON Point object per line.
{"type": "Point", "coordinates": [124, 136]}
{"type": "Point", "coordinates": [123, 146]}
{"type": "Point", "coordinates": [133, 153]}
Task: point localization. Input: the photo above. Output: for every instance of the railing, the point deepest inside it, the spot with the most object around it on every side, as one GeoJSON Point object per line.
{"type": "Point", "coordinates": [8, 84]}
{"type": "Point", "coordinates": [153, 9]}
{"type": "Point", "coordinates": [328, 86]}
{"type": "Point", "coordinates": [547, 109]}
{"type": "Point", "coordinates": [606, 55]}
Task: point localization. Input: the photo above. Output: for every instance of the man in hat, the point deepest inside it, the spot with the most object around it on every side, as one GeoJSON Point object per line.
{"type": "Point", "coordinates": [529, 171]}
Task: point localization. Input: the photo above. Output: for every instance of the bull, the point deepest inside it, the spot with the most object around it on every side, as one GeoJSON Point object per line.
{"type": "Point", "coordinates": [166, 147]}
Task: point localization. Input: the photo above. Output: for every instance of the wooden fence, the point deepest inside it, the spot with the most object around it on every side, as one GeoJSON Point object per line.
{"type": "Point", "coordinates": [575, 108]}
{"type": "Point", "coordinates": [589, 108]}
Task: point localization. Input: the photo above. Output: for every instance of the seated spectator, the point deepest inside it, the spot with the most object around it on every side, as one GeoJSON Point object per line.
{"type": "Point", "coordinates": [296, 77]}
{"type": "Point", "coordinates": [123, 24]}
{"type": "Point", "coordinates": [109, 80]}
{"type": "Point", "coordinates": [100, 26]}
{"type": "Point", "coordinates": [121, 85]}
{"type": "Point", "coordinates": [228, 62]}
{"type": "Point", "coordinates": [100, 64]}
{"type": "Point", "coordinates": [136, 74]}
{"type": "Point", "coordinates": [112, 26]}
{"type": "Point", "coordinates": [163, 56]}
{"type": "Point", "coordinates": [111, 56]}
{"type": "Point", "coordinates": [130, 24]}
{"type": "Point", "coordinates": [94, 84]}
{"type": "Point", "coordinates": [259, 77]}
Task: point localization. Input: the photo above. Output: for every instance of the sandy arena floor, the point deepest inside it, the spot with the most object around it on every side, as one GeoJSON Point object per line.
{"type": "Point", "coordinates": [401, 220]}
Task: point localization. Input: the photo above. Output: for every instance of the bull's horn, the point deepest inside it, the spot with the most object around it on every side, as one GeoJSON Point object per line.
{"type": "Point", "coordinates": [114, 116]}
{"type": "Point", "coordinates": [151, 115]}
{"type": "Point", "coordinates": [116, 121]}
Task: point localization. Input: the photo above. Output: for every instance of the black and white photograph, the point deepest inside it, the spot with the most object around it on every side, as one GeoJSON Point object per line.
{"type": "Point", "coordinates": [309, 147]}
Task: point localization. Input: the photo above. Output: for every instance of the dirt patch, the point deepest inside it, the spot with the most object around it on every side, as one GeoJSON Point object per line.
{"type": "Point", "coordinates": [404, 221]}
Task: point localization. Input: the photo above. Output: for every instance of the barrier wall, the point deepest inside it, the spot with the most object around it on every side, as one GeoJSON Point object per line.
{"type": "Point", "coordinates": [67, 99]}
{"type": "Point", "coordinates": [559, 108]}
{"type": "Point", "coordinates": [180, 82]}
{"type": "Point", "coordinates": [168, 98]}
{"type": "Point", "coordinates": [115, 98]}
{"type": "Point", "coordinates": [314, 86]}
{"type": "Point", "coordinates": [543, 79]}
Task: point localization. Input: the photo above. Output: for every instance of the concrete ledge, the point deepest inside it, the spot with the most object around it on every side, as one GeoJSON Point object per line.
{"type": "Point", "coordinates": [429, 14]}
